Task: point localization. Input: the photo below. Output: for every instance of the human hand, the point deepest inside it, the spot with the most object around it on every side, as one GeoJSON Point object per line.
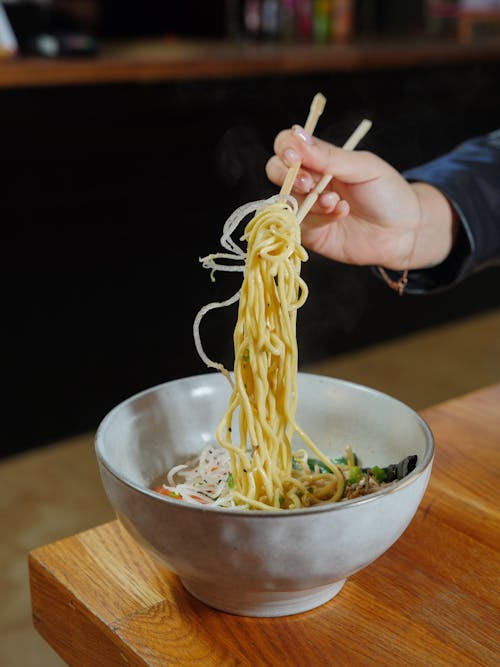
{"type": "Point", "coordinates": [369, 213]}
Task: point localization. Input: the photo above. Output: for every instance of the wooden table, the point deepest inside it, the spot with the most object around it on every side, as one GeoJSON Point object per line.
{"type": "Point", "coordinates": [432, 599]}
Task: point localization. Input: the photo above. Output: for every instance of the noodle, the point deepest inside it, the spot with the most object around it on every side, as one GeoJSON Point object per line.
{"type": "Point", "coordinates": [266, 473]}
{"type": "Point", "coordinates": [258, 469]}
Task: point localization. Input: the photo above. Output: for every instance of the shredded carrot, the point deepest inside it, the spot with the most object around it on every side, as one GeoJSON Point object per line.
{"type": "Point", "coordinates": [167, 492]}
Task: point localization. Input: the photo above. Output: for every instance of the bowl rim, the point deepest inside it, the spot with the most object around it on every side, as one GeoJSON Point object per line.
{"type": "Point", "coordinates": [421, 468]}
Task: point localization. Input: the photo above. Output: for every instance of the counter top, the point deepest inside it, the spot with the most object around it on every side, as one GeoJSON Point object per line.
{"type": "Point", "coordinates": [172, 60]}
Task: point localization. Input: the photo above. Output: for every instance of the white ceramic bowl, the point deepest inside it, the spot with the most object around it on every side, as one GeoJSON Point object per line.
{"type": "Point", "coordinates": [259, 563]}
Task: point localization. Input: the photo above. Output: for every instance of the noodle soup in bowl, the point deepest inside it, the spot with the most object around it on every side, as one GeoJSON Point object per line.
{"type": "Point", "coordinates": [262, 562]}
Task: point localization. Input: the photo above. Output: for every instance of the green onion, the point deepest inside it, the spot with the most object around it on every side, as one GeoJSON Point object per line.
{"type": "Point", "coordinates": [342, 460]}
{"type": "Point", "coordinates": [354, 475]}
{"type": "Point", "coordinates": [379, 473]}
{"type": "Point", "coordinates": [230, 480]}
{"type": "Point", "coordinates": [317, 464]}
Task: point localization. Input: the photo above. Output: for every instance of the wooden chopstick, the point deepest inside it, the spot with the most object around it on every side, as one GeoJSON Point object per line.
{"type": "Point", "coordinates": [315, 111]}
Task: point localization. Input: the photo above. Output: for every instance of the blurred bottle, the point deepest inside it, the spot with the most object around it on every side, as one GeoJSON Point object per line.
{"type": "Point", "coordinates": [288, 19]}
{"type": "Point", "coordinates": [252, 18]}
{"type": "Point", "coordinates": [342, 20]}
{"type": "Point", "coordinates": [270, 19]}
{"type": "Point", "coordinates": [304, 19]}
{"type": "Point", "coordinates": [322, 21]}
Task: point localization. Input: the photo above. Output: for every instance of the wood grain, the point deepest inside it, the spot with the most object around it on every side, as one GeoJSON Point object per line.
{"type": "Point", "coordinates": [432, 599]}
{"type": "Point", "coordinates": [162, 60]}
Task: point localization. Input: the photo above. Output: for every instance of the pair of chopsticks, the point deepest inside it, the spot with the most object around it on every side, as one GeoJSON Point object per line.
{"type": "Point", "coordinates": [317, 107]}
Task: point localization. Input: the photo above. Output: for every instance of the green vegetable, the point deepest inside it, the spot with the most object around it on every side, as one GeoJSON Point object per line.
{"type": "Point", "coordinates": [379, 473]}
{"type": "Point", "coordinates": [319, 465]}
{"type": "Point", "coordinates": [339, 460]}
{"type": "Point", "coordinates": [230, 480]}
{"type": "Point", "coordinates": [342, 460]}
{"type": "Point", "coordinates": [354, 475]}
{"type": "Point", "coordinates": [393, 471]}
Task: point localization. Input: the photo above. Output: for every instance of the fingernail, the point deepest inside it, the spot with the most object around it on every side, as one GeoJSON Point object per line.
{"type": "Point", "coordinates": [291, 157]}
{"type": "Point", "coordinates": [302, 134]}
{"type": "Point", "coordinates": [342, 209]}
{"type": "Point", "coordinates": [328, 199]}
{"type": "Point", "coordinates": [304, 183]}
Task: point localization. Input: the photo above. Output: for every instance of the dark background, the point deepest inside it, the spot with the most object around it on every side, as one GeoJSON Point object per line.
{"type": "Point", "coordinates": [110, 194]}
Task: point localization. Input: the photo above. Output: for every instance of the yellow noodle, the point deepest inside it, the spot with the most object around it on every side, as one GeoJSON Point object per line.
{"type": "Point", "coordinates": [265, 372]}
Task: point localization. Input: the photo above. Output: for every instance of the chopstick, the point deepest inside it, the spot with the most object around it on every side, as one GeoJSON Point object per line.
{"type": "Point", "coordinates": [349, 145]}
{"type": "Point", "coordinates": [315, 111]}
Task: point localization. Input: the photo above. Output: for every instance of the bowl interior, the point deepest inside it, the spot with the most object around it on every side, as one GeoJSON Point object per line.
{"type": "Point", "coordinates": [150, 432]}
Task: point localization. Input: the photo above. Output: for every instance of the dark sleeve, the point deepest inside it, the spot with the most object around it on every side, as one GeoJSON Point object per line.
{"type": "Point", "coordinates": [469, 176]}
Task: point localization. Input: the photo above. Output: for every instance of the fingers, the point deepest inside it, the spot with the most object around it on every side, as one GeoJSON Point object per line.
{"type": "Point", "coordinates": [331, 205]}
{"type": "Point", "coordinates": [341, 211]}
{"type": "Point", "coordinates": [324, 158]}
{"type": "Point", "coordinates": [328, 202]}
{"type": "Point", "coordinates": [276, 170]}
{"type": "Point", "coordinates": [319, 157]}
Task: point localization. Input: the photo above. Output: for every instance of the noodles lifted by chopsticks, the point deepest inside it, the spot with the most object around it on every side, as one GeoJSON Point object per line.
{"type": "Point", "coordinates": [266, 473]}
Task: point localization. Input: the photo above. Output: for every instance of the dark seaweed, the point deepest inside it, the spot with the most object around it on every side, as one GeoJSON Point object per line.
{"type": "Point", "coordinates": [391, 473]}
{"type": "Point", "coordinates": [396, 471]}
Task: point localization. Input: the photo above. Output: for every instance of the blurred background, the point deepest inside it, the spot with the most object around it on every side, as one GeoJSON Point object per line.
{"type": "Point", "coordinates": [129, 131]}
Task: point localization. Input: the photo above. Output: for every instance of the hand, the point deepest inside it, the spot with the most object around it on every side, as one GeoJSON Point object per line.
{"type": "Point", "coordinates": [369, 214]}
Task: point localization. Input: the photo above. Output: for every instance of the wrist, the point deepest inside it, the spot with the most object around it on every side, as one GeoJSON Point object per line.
{"type": "Point", "coordinates": [437, 230]}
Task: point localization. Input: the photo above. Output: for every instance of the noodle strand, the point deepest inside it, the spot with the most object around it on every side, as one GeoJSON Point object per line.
{"type": "Point", "coordinates": [264, 383]}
